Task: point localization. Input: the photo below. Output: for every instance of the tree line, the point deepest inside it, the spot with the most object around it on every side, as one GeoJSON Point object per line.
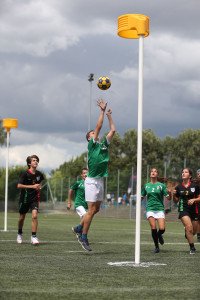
{"type": "Point", "coordinates": [172, 152]}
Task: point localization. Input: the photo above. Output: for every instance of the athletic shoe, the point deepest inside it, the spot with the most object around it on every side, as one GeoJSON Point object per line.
{"type": "Point", "coordinates": [80, 237]}
{"type": "Point", "coordinates": [156, 250]}
{"type": "Point", "coordinates": [198, 238]}
{"type": "Point", "coordinates": [77, 232]}
{"type": "Point", "coordinates": [34, 240]}
{"type": "Point", "coordinates": [192, 251]}
{"type": "Point", "coordinates": [85, 244]}
{"type": "Point", "coordinates": [161, 240]}
{"type": "Point", "coordinates": [19, 238]}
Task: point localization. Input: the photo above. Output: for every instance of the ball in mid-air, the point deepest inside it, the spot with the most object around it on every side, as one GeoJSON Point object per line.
{"type": "Point", "coordinates": [103, 83]}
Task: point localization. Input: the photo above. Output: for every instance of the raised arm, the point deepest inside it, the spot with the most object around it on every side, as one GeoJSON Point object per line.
{"type": "Point", "coordinates": [112, 126]}
{"type": "Point", "coordinates": [102, 105]}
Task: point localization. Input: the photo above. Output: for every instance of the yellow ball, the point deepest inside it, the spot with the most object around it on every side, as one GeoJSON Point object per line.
{"type": "Point", "coordinates": [103, 83]}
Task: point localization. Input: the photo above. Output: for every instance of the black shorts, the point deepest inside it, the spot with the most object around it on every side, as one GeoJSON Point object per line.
{"type": "Point", "coordinates": [186, 212]}
{"type": "Point", "coordinates": [24, 207]}
{"type": "Point", "coordinates": [198, 209]}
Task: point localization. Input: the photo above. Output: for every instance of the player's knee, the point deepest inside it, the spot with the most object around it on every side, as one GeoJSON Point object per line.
{"type": "Point", "coordinates": [34, 218]}
{"type": "Point", "coordinates": [97, 210]}
{"type": "Point", "coordinates": [189, 230]}
{"type": "Point", "coordinates": [21, 218]}
{"type": "Point", "coordinates": [91, 212]}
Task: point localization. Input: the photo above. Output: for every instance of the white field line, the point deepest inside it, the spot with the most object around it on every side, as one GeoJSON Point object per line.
{"type": "Point", "coordinates": [126, 230]}
{"type": "Point", "coordinates": [111, 243]}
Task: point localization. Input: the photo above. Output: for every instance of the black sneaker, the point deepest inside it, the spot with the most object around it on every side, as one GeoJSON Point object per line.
{"type": "Point", "coordinates": [161, 240]}
{"type": "Point", "coordinates": [85, 244]}
{"type": "Point", "coordinates": [77, 232]}
{"type": "Point", "coordinates": [156, 250]}
{"type": "Point", "coordinates": [192, 251]}
{"type": "Point", "coordinates": [198, 238]}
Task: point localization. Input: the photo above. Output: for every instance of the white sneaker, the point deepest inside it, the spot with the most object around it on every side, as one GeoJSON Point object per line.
{"type": "Point", "coordinates": [34, 240]}
{"type": "Point", "coordinates": [19, 238]}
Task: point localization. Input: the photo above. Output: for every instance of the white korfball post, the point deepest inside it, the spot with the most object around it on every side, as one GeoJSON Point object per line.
{"type": "Point", "coordinates": [8, 124]}
{"type": "Point", "coordinates": [134, 26]}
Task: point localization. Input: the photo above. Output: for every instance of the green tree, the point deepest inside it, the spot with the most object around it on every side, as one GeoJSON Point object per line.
{"type": "Point", "coordinates": [115, 152]}
{"type": "Point", "coordinates": [73, 167]}
{"type": "Point", "coordinates": [129, 149]}
{"type": "Point", "coordinates": [13, 191]}
{"type": "Point", "coordinates": [152, 150]}
{"type": "Point", "coordinates": [3, 134]}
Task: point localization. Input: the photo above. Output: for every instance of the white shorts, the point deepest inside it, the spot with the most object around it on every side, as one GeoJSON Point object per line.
{"type": "Point", "coordinates": [94, 189]}
{"type": "Point", "coordinates": [155, 214]}
{"type": "Point", "coordinates": [81, 211]}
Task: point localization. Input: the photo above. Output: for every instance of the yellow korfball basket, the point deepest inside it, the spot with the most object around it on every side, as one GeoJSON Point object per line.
{"type": "Point", "coordinates": [131, 26]}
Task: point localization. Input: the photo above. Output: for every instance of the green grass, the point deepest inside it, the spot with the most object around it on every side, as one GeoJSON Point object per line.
{"type": "Point", "coordinates": [60, 269]}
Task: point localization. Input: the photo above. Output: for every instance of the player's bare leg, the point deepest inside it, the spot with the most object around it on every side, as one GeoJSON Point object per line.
{"type": "Point", "coordinates": [21, 221]}
{"type": "Point", "coordinates": [189, 232]}
{"type": "Point", "coordinates": [20, 226]}
{"type": "Point", "coordinates": [93, 208]}
{"type": "Point", "coordinates": [34, 239]}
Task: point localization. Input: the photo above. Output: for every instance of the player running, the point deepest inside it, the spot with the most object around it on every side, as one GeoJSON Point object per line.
{"type": "Point", "coordinates": [30, 184]}
{"type": "Point", "coordinates": [155, 192]}
{"type": "Point", "coordinates": [80, 203]}
{"type": "Point", "coordinates": [187, 193]}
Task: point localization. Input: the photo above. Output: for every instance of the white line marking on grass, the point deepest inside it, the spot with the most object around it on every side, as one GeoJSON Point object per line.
{"type": "Point", "coordinates": [74, 251]}
{"type": "Point", "coordinates": [111, 243]}
{"type": "Point", "coordinates": [8, 230]}
{"type": "Point", "coordinates": [133, 264]}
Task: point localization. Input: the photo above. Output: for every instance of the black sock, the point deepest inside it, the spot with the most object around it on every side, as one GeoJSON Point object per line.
{"type": "Point", "coordinates": [155, 237]}
{"type": "Point", "coordinates": [34, 234]}
{"type": "Point", "coordinates": [160, 232]}
{"type": "Point", "coordinates": [19, 231]}
{"type": "Point", "coordinates": [191, 246]}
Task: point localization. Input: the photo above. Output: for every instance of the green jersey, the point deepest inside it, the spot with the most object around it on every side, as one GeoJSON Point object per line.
{"type": "Point", "coordinates": [155, 193]}
{"type": "Point", "coordinates": [79, 188]}
{"type": "Point", "coordinates": [98, 158]}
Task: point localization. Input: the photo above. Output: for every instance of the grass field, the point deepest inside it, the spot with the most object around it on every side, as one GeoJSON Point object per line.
{"type": "Point", "coordinates": [60, 269]}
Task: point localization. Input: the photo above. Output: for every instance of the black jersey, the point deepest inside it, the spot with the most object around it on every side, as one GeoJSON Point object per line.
{"type": "Point", "coordinates": [28, 178]}
{"type": "Point", "coordinates": [186, 193]}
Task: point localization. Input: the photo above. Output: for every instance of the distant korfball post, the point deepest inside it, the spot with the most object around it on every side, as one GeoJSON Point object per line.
{"type": "Point", "coordinates": [134, 26]}
{"type": "Point", "coordinates": [8, 124]}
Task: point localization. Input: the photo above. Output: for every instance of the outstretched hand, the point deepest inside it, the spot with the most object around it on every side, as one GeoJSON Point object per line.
{"type": "Point", "coordinates": [109, 112]}
{"type": "Point", "coordinates": [101, 104]}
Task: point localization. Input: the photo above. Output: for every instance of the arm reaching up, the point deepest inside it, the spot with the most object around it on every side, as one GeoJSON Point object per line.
{"type": "Point", "coordinates": [112, 126]}
{"type": "Point", "coordinates": [103, 106]}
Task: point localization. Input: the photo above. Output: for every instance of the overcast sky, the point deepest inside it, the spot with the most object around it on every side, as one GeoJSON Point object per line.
{"type": "Point", "coordinates": [49, 48]}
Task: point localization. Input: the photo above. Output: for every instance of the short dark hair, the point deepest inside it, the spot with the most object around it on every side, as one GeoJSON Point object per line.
{"type": "Point", "coordinates": [84, 169]}
{"type": "Point", "coordinates": [29, 159]}
{"type": "Point", "coordinates": [88, 134]}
